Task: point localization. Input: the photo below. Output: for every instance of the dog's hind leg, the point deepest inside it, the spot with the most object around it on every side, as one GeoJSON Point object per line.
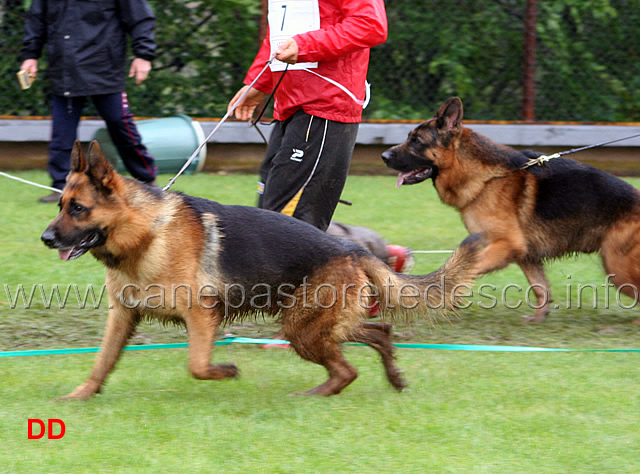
{"type": "Point", "coordinates": [621, 258]}
{"type": "Point", "coordinates": [377, 335]}
{"type": "Point", "coordinates": [539, 284]}
{"type": "Point", "coordinates": [315, 341]}
{"type": "Point", "coordinates": [120, 325]}
{"type": "Point", "coordinates": [341, 373]}
{"type": "Point", "coordinates": [202, 325]}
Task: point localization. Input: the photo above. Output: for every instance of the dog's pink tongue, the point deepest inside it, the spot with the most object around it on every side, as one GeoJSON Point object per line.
{"type": "Point", "coordinates": [401, 177]}
{"type": "Point", "coordinates": [65, 254]}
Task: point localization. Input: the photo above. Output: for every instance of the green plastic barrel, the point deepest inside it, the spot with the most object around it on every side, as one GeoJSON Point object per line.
{"type": "Point", "coordinates": [170, 140]}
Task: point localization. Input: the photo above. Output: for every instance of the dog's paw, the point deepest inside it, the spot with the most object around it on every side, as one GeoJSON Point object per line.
{"type": "Point", "coordinates": [83, 392]}
{"type": "Point", "coordinates": [223, 371]}
{"type": "Point", "coordinates": [229, 370]}
{"type": "Point", "coordinates": [397, 381]}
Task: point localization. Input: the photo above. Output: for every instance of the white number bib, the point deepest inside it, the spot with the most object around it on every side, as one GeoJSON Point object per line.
{"type": "Point", "coordinates": [288, 18]}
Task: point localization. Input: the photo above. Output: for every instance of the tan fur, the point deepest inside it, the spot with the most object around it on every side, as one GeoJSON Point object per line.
{"type": "Point", "coordinates": [154, 243]}
{"type": "Point", "coordinates": [497, 197]}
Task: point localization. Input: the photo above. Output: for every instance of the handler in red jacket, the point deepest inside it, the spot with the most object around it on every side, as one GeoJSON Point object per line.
{"type": "Point", "coordinates": [322, 49]}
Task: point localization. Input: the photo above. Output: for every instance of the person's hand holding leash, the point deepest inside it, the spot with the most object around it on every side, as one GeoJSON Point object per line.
{"type": "Point", "coordinates": [244, 110]}
{"type": "Point", "coordinates": [287, 52]}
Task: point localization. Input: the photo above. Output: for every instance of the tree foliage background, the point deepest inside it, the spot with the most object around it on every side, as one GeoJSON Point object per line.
{"type": "Point", "coordinates": [587, 69]}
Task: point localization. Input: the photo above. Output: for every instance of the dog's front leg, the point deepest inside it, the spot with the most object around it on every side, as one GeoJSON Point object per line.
{"type": "Point", "coordinates": [202, 325]}
{"type": "Point", "coordinates": [539, 284]}
{"type": "Point", "coordinates": [120, 325]}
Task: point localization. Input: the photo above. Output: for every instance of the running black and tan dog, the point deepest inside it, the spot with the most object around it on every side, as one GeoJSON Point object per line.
{"type": "Point", "coordinates": [174, 257]}
{"type": "Point", "coordinates": [529, 213]}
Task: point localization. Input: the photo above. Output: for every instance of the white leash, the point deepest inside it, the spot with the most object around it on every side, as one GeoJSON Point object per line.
{"type": "Point", "coordinates": [7, 175]}
{"type": "Point", "coordinates": [544, 158]}
{"type": "Point", "coordinates": [362, 103]}
{"type": "Point", "coordinates": [189, 161]}
{"type": "Point", "coordinates": [432, 251]}
{"type": "Point", "coordinates": [25, 181]}
{"type": "Point", "coordinates": [222, 120]}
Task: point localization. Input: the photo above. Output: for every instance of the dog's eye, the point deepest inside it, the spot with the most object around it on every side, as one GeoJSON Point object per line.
{"type": "Point", "coordinates": [76, 209]}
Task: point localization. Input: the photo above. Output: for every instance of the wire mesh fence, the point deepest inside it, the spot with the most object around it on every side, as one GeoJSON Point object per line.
{"type": "Point", "coordinates": [557, 60]}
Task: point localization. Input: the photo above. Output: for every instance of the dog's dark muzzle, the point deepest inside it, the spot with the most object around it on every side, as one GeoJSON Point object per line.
{"type": "Point", "coordinates": [49, 238]}
{"type": "Point", "coordinates": [387, 157]}
{"type": "Point", "coordinates": [71, 250]}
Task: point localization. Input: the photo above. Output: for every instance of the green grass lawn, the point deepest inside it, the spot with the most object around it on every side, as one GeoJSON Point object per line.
{"type": "Point", "coordinates": [464, 411]}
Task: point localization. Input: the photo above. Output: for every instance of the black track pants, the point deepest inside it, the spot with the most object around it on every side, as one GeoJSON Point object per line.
{"type": "Point", "coordinates": [306, 167]}
{"type": "Point", "coordinates": [114, 109]}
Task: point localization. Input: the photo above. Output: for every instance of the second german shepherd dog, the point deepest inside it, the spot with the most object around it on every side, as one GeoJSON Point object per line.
{"type": "Point", "coordinates": [216, 263]}
{"type": "Point", "coordinates": [528, 214]}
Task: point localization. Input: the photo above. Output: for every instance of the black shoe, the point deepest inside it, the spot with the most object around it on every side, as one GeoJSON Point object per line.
{"type": "Point", "coordinates": [53, 197]}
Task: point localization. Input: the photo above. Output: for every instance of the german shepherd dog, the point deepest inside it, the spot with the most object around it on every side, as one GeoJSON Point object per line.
{"type": "Point", "coordinates": [220, 263]}
{"type": "Point", "coordinates": [528, 214]}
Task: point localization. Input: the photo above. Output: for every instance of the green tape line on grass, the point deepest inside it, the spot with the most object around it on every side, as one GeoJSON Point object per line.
{"type": "Point", "coordinates": [246, 340]}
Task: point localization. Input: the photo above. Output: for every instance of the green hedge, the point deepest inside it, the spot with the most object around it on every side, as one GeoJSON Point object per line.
{"type": "Point", "coordinates": [587, 59]}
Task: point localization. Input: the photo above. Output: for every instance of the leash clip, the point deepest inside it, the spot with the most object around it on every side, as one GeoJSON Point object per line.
{"type": "Point", "coordinates": [540, 160]}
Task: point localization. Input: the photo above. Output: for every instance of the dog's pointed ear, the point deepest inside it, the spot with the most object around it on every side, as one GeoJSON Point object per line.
{"type": "Point", "coordinates": [99, 167]}
{"type": "Point", "coordinates": [449, 115]}
{"type": "Point", "coordinates": [78, 163]}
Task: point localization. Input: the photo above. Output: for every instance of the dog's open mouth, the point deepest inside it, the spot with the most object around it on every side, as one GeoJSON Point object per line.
{"type": "Point", "coordinates": [83, 247]}
{"type": "Point", "coordinates": [414, 177]}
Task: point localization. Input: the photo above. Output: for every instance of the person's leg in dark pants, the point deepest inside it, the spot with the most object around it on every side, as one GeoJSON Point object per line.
{"type": "Point", "coordinates": [114, 110]}
{"type": "Point", "coordinates": [265, 168]}
{"type": "Point", "coordinates": [306, 167]}
{"type": "Point", "coordinates": [304, 171]}
{"type": "Point", "coordinates": [65, 115]}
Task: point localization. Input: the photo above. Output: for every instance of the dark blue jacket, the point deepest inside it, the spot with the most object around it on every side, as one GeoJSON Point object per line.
{"type": "Point", "coordinates": [87, 42]}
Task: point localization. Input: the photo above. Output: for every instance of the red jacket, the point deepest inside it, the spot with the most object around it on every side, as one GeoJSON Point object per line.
{"type": "Point", "coordinates": [348, 28]}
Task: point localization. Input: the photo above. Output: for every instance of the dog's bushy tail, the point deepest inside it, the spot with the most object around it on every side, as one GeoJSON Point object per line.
{"type": "Point", "coordinates": [440, 292]}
